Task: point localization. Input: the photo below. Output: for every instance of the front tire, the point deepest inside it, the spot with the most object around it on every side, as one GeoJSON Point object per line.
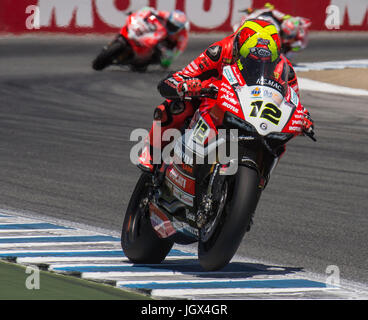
{"type": "Point", "coordinates": [108, 54]}
{"type": "Point", "coordinates": [139, 241]}
{"type": "Point", "coordinates": [217, 251]}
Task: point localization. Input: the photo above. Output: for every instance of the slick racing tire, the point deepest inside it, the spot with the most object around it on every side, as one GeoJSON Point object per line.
{"type": "Point", "coordinates": [139, 241]}
{"type": "Point", "coordinates": [107, 55]}
{"type": "Point", "coordinates": [217, 251]}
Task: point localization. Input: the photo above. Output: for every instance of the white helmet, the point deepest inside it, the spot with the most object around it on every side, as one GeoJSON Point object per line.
{"type": "Point", "coordinates": [176, 22]}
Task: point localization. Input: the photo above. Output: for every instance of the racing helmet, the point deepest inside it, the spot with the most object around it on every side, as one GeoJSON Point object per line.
{"type": "Point", "coordinates": [290, 28]}
{"type": "Point", "coordinates": [176, 22]}
{"type": "Point", "coordinates": [257, 40]}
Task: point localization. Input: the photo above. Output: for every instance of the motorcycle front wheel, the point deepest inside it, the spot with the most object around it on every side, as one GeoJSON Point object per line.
{"type": "Point", "coordinates": [216, 251]}
{"type": "Point", "coordinates": [139, 241]}
{"type": "Point", "coordinates": [114, 50]}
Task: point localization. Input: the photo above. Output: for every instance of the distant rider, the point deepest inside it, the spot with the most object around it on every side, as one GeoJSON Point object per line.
{"type": "Point", "coordinates": [166, 32]}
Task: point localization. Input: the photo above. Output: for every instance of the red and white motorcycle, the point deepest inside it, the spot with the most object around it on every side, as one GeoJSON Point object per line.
{"type": "Point", "coordinates": [142, 41]}
{"type": "Point", "coordinates": [202, 196]}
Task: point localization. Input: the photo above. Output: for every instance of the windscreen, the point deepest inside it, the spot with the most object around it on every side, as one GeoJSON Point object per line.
{"type": "Point", "coordinates": [265, 73]}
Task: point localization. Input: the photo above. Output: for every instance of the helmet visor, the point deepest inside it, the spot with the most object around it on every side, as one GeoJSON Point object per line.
{"type": "Point", "coordinates": [264, 72]}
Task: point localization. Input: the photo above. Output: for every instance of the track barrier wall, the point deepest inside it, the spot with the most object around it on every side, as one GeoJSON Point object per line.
{"type": "Point", "coordinates": [107, 16]}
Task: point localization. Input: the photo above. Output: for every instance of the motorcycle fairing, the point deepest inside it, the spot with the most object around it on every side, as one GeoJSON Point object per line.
{"type": "Point", "coordinates": [261, 104]}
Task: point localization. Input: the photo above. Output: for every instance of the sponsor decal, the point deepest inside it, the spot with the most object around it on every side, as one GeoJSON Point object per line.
{"type": "Point", "coordinates": [270, 83]}
{"type": "Point", "coordinates": [294, 99]}
{"type": "Point", "coordinates": [186, 183]}
{"type": "Point", "coordinates": [230, 107]}
{"type": "Point", "coordinates": [160, 222]}
{"type": "Point", "coordinates": [227, 91]}
{"type": "Point", "coordinates": [297, 122]}
{"type": "Point", "coordinates": [263, 42]}
{"type": "Point", "coordinates": [230, 76]}
{"type": "Point", "coordinates": [229, 99]}
{"type": "Point", "coordinates": [292, 128]}
{"type": "Point", "coordinates": [177, 178]}
{"type": "Point", "coordinates": [238, 76]}
{"type": "Point", "coordinates": [225, 85]}
{"type": "Point", "coordinates": [260, 52]}
{"type": "Point", "coordinates": [256, 92]}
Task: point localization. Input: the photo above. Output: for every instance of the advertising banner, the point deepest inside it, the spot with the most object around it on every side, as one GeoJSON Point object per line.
{"type": "Point", "coordinates": [107, 16]}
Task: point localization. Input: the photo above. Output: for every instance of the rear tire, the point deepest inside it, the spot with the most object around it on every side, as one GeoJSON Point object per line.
{"type": "Point", "coordinates": [139, 241]}
{"type": "Point", "coordinates": [235, 220]}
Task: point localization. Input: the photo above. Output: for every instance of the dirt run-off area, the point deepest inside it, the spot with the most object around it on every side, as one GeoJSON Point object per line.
{"type": "Point", "coordinates": [349, 77]}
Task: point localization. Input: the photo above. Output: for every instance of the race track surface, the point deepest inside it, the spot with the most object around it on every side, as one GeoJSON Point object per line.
{"type": "Point", "coordinates": [64, 151]}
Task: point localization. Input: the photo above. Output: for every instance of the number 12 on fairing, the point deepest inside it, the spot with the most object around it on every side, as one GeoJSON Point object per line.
{"type": "Point", "coordinates": [270, 111]}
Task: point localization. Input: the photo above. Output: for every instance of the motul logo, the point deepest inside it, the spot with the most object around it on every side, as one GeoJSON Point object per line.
{"type": "Point", "coordinates": [63, 11]}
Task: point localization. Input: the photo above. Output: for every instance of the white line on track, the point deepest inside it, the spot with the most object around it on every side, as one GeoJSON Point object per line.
{"type": "Point", "coordinates": [230, 291]}
{"type": "Point", "coordinates": [107, 260]}
{"type": "Point", "coordinates": [313, 85]}
{"type": "Point", "coordinates": [331, 65]}
{"type": "Point", "coordinates": [57, 244]}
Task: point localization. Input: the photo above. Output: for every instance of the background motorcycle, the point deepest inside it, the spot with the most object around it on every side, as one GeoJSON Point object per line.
{"type": "Point", "coordinates": [129, 47]}
{"type": "Point", "coordinates": [189, 201]}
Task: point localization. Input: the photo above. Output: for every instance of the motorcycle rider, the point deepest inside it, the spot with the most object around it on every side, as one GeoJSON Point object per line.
{"type": "Point", "coordinates": [292, 29]}
{"type": "Point", "coordinates": [207, 67]}
{"type": "Point", "coordinates": [169, 40]}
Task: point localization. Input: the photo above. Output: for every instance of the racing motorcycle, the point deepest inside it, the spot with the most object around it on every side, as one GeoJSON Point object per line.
{"type": "Point", "coordinates": [131, 48]}
{"type": "Point", "coordinates": [196, 196]}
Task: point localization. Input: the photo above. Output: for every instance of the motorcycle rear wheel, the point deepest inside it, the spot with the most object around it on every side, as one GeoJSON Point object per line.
{"type": "Point", "coordinates": [217, 251]}
{"type": "Point", "coordinates": [139, 241]}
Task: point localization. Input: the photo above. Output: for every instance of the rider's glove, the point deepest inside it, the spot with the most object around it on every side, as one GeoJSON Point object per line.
{"type": "Point", "coordinates": [167, 57]}
{"type": "Point", "coordinates": [308, 123]}
{"type": "Point", "coordinates": [165, 63]}
{"type": "Point", "coordinates": [190, 88]}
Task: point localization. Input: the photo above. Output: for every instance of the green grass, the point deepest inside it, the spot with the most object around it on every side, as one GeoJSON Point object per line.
{"type": "Point", "coordinates": [52, 286]}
